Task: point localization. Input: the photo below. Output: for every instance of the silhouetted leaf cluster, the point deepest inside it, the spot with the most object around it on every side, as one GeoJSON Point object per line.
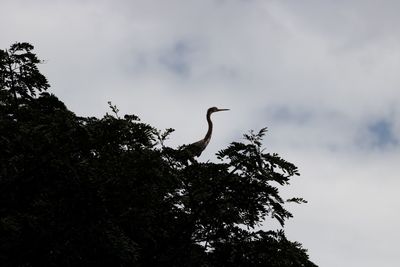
{"type": "Point", "coordinates": [84, 191]}
{"type": "Point", "coordinates": [19, 74]}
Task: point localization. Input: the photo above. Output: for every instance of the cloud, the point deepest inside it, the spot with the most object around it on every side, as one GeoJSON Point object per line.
{"type": "Point", "coordinates": [351, 211]}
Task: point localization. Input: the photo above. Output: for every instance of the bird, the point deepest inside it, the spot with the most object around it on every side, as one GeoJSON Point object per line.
{"type": "Point", "coordinates": [196, 148]}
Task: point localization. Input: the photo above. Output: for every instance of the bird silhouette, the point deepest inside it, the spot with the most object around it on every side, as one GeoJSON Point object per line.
{"type": "Point", "coordinates": [195, 149]}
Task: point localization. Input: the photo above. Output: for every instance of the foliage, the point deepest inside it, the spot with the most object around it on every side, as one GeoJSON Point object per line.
{"type": "Point", "coordinates": [83, 191]}
{"type": "Point", "coordinates": [19, 74]}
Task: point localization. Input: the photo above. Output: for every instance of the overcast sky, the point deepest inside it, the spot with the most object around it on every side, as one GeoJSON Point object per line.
{"type": "Point", "coordinates": [323, 76]}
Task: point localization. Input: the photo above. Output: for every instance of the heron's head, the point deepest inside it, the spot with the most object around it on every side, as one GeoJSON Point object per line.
{"type": "Point", "coordinates": [215, 109]}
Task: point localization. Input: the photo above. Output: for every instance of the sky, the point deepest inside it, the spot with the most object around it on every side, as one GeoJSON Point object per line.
{"type": "Point", "coordinates": [321, 75]}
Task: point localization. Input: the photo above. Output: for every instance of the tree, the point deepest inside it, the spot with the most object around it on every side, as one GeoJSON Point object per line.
{"type": "Point", "coordinates": [19, 75]}
{"type": "Point", "coordinates": [83, 191]}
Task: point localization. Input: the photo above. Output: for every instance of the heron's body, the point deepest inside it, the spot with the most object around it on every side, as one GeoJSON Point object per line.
{"type": "Point", "coordinates": [196, 148]}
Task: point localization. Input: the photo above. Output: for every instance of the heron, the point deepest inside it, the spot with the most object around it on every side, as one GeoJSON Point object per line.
{"type": "Point", "coordinates": [196, 148]}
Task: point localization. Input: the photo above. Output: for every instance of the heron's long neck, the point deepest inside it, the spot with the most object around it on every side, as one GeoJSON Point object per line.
{"type": "Point", "coordinates": [210, 127]}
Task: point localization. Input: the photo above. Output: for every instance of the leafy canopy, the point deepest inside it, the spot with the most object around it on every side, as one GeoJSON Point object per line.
{"type": "Point", "coordinates": [85, 191]}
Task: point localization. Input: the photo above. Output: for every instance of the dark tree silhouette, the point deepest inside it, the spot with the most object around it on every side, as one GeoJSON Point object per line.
{"type": "Point", "coordinates": [83, 191]}
{"type": "Point", "coordinates": [19, 74]}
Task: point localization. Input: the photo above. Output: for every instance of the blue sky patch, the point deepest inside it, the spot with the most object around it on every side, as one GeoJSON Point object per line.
{"type": "Point", "coordinates": [288, 115]}
{"type": "Point", "coordinates": [177, 58]}
{"type": "Point", "coordinates": [382, 134]}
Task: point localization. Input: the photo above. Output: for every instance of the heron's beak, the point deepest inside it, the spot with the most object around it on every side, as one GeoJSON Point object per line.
{"type": "Point", "coordinates": [223, 109]}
